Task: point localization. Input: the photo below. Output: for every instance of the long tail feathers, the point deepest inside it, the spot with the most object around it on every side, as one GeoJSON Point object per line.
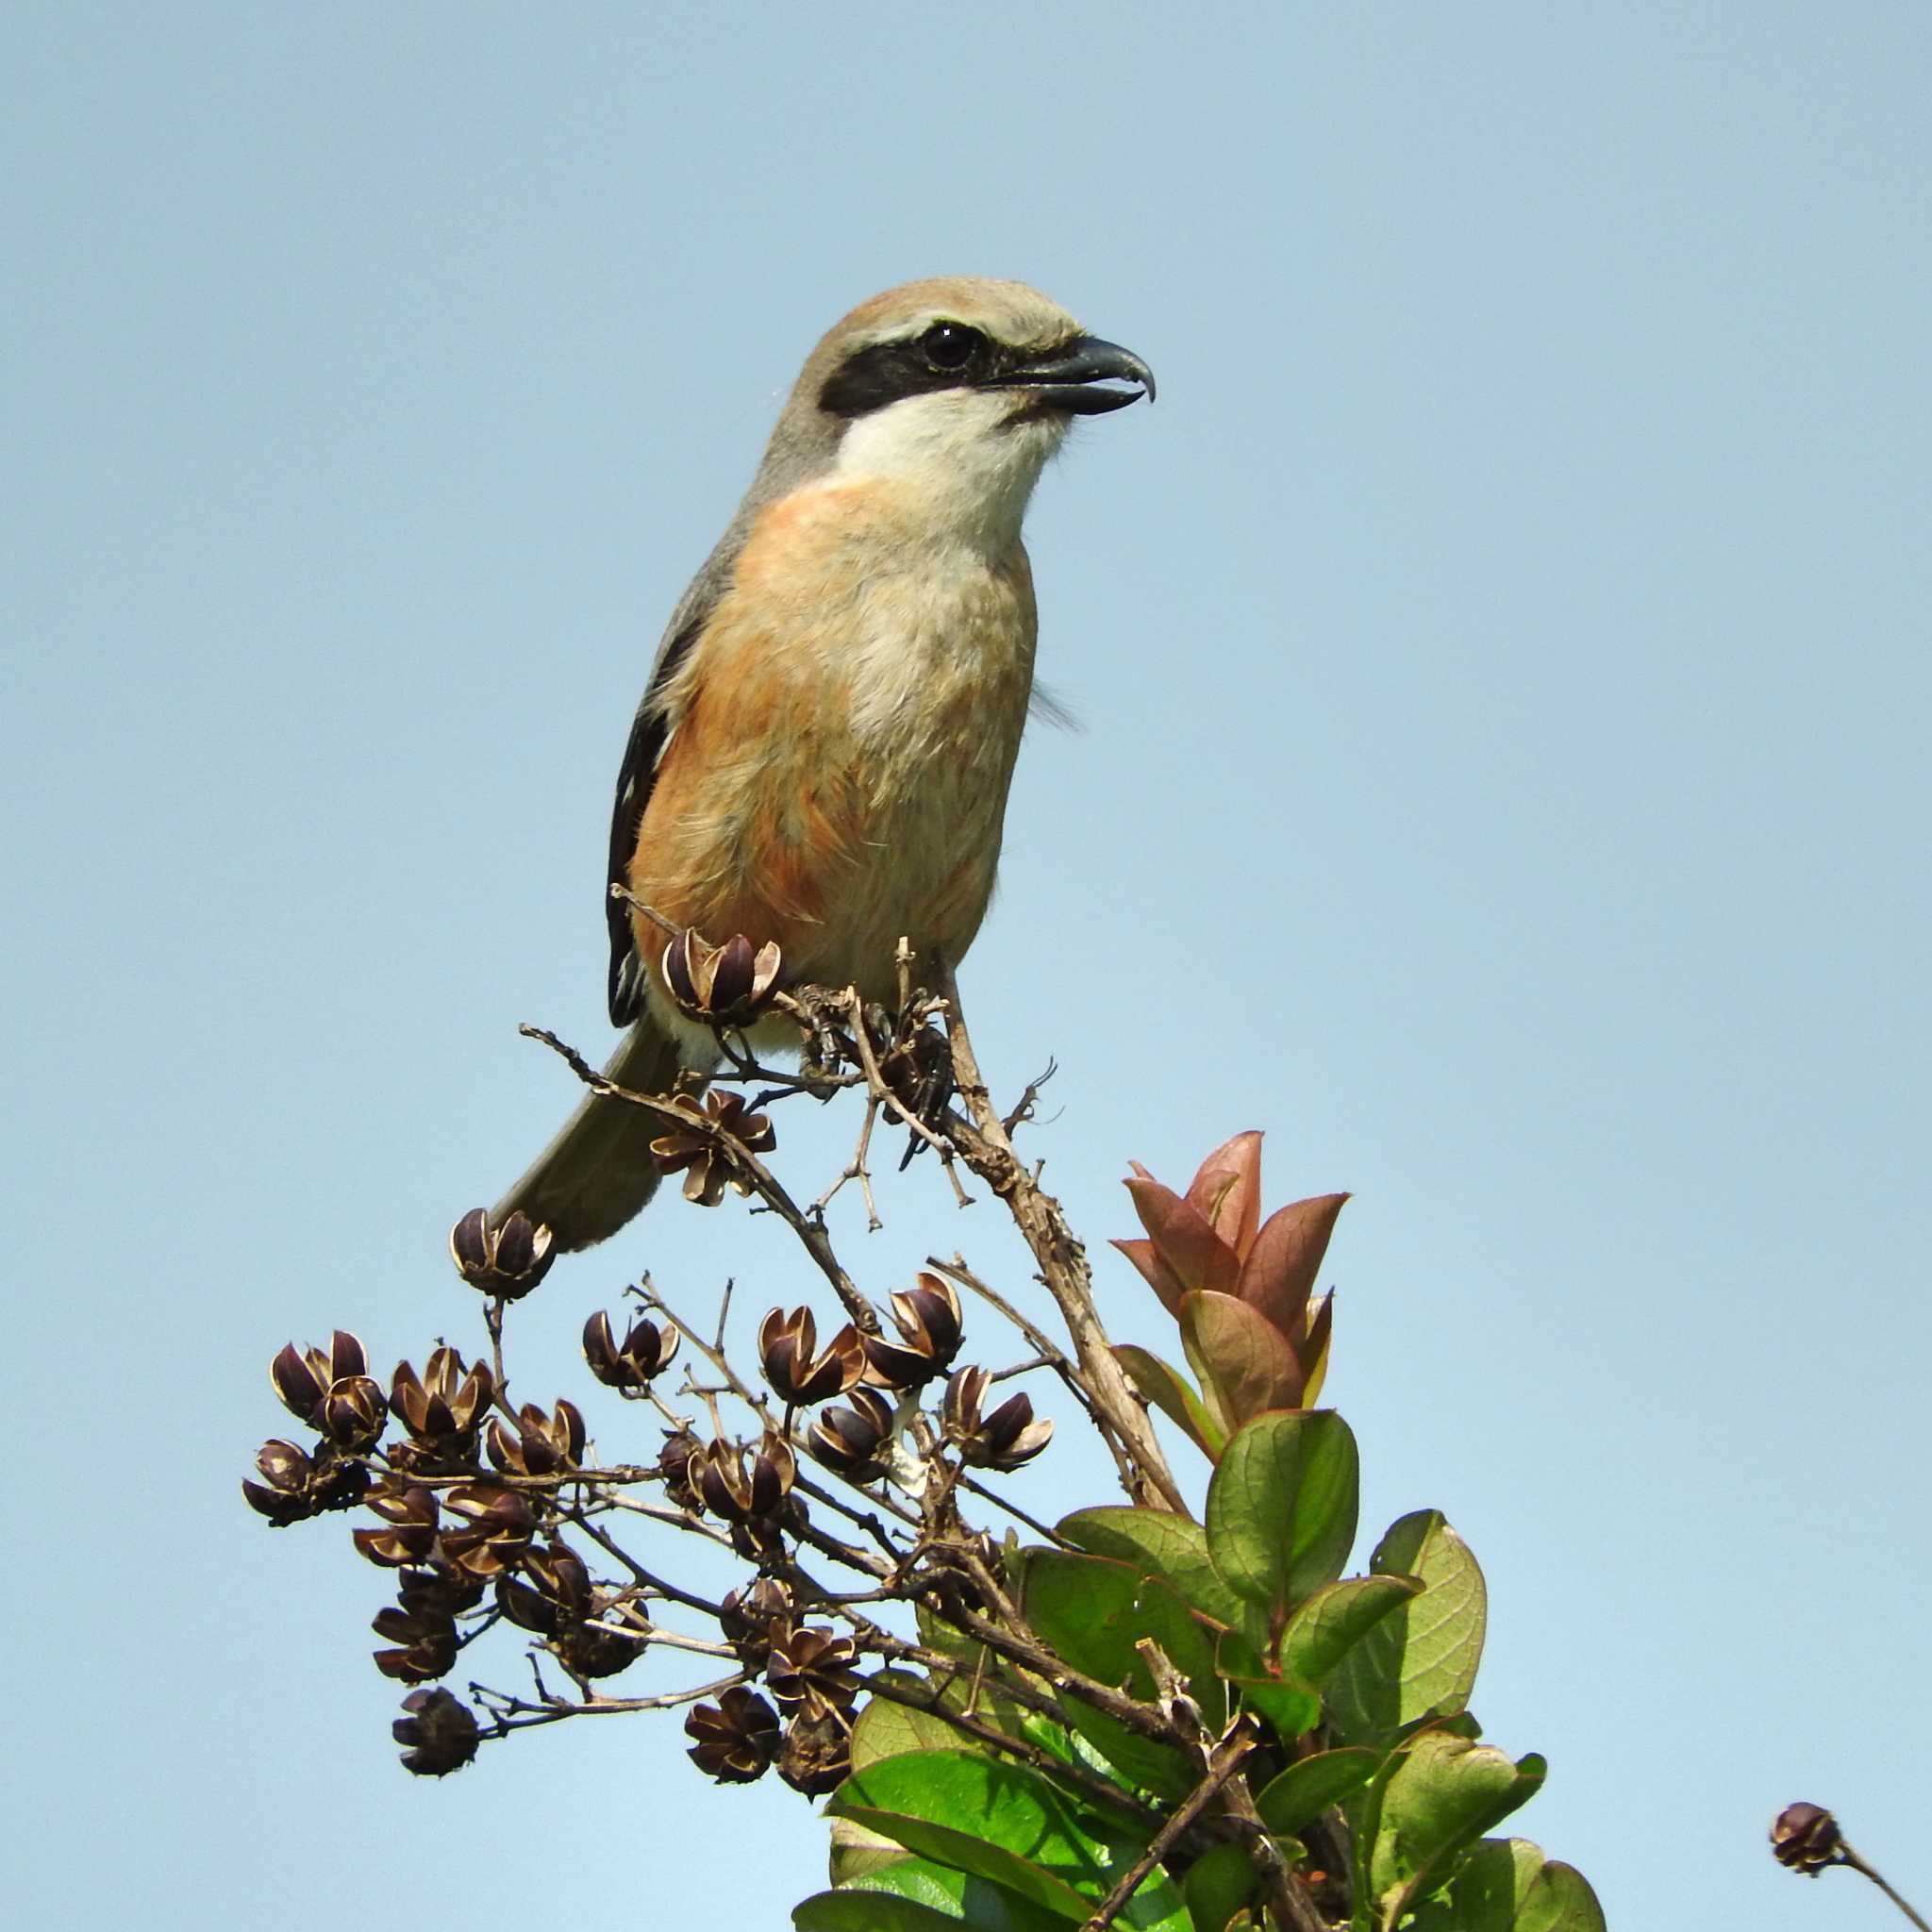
{"type": "Point", "coordinates": [597, 1172]}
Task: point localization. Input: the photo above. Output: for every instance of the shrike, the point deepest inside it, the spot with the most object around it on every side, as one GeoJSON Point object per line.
{"type": "Point", "coordinates": [824, 749]}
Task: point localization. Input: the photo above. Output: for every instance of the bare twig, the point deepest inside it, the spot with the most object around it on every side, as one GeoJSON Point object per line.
{"type": "Point", "coordinates": [1850, 1859]}
{"type": "Point", "coordinates": [812, 1236]}
{"type": "Point", "coordinates": [1230, 1758]}
{"type": "Point", "coordinates": [987, 1148]}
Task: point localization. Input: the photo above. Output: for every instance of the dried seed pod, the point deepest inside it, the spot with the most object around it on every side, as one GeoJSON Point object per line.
{"type": "Point", "coordinates": [1004, 1439]}
{"type": "Point", "coordinates": [543, 1443]}
{"type": "Point", "coordinates": [750, 1619]}
{"type": "Point", "coordinates": [438, 1587]}
{"type": "Point", "coordinates": [410, 1518]}
{"type": "Point", "coordinates": [788, 1347]}
{"type": "Point", "coordinates": [302, 1377]}
{"type": "Point", "coordinates": [498, 1525]}
{"type": "Point", "coordinates": [442, 1409]}
{"type": "Point", "coordinates": [742, 1491]}
{"type": "Point", "coordinates": [763, 1540]}
{"type": "Point", "coordinates": [1806, 1838]}
{"type": "Point", "coordinates": [297, 1485]}
{"type": "Point", "coordinates": [439, 1733]}
{"type": "Point", "coordinates": [811, 1672]}
{"type": "Point", "coordinates": [551, 1592]}
{"type": "Point", "coordinates": [850, 1440]}
{"type": "Point", "coordinates": [930, 1328]}
{"type": "Point", "coordinates": [674, 1466]}
{"type": "Point", "coordinates": [734, 1739]}
{"type": "Point", "coordinates": [646, 1352]}
{"type": "Point", "coordinates": [354, 1414]}
{"type": "Point", "coordinates": [424, 1644]}
{"type": "Point", "coordinates": [705, 1160]}
{"type": "Point", "coordinates": [610, 1643]}
{"type": "Point", "coordinates": [816, 1757]}
{"type": "Point", "coordinates": [726, 984]}
{"type": "Point", "coordinates": [504, 1262]}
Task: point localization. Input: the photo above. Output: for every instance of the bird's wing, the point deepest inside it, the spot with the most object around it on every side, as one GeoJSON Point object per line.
{"type": "Point", "coordinates": [649, 732]}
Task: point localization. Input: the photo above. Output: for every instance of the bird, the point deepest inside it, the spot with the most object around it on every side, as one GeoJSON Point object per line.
{"type": "Point", "coordinates": [824, 749]}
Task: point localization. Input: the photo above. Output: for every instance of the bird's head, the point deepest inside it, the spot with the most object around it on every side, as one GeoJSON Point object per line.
{"type": "Point", "coordinates": [957, 389]}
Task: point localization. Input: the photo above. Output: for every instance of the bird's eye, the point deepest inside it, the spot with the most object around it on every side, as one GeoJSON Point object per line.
{"type": "Point", "coordinates": [949, 346]}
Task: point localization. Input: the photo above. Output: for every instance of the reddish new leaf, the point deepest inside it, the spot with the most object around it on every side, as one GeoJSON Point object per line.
{"type": "Point", "coordinates": [1156, 1272]}
{"type": "Point", "coordinates": [1183, 1238]}
{"type": "Point", "coordinates": [1279, 1274]}
{"type": "Point", "coordinates": [1252, 1367]}
{"type": "Point", "coordinates": [1226, 1190]}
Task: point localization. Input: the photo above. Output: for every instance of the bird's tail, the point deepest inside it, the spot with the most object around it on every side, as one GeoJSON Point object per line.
{"type": "Point", "coordinates": [597, 1172]}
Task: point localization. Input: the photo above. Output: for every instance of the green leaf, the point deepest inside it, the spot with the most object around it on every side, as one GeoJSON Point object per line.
{"type": "Point", "coordinates": [1421, 1660]}
{"type": "Point", "coordinates": [868, 1911]}
{"type": "Point", "coordinates": [1141, 1761]}
{"type": "Point", "coordinates": [1331, 1622]}
{"type": "Point", "coordinates": [1093, 1613]}
{"type": "Point", "coordinates": [974, 1903]}
{"type": "Point", "coordinates": [1560, 1901]}
{"type": "Point", "coordinates": [1281, 1507]}
{"type": "Point", "coordinates": [999, 1822]}
{"type": "Point", "coordinates": [1505, 1885]}
{"type": "Point", "coordinates": [1171, 1394]}
{"type": "Point", "coordinates": [1310, 1785]}
{"type": "Point", "coordinates": [856, 1851]}
{"type": "Point", "coordinates": [1219, 1883]}
{"type": "Point", "coordinates": [1292, 1708]}
{"type": "Point", "coordinates": [885, 1729]}
{"type": "Point", "coordinates": [1159, 1543]}
{"type": "Point", "coordinates": [1245, 1364]}
{"type": "Point", "coordinates": [1444, 1796]}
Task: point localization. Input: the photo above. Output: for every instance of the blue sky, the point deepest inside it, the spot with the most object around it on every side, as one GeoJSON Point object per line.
{"type": "Point", "coordinates": [1500, 660]}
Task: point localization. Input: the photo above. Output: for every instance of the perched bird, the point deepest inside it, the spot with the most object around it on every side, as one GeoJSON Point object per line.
{"type": "Point", "coordinates": [824, 749]}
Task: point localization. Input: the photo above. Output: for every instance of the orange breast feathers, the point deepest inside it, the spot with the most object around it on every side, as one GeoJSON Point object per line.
{"type": "Point", "coordinates": [842, 735]}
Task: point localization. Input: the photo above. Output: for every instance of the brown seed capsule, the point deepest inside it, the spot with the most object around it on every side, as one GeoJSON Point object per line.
{"type": "Point", "coordinates": [411, 1517]}
{"type": "Point", "coordinates": [735, 1739]}
{"type": "Point", "coordinates": [297, 1485]}
{"type": "Point", "coordinates": [302, 1377]}
{"type": "Point", "coordinates": [1806, 1838]}
{"type": "Point", "coordinates": [849, 1440]}
{"type": "Point", "coordinates": [497, 1526]}
{"type": "Point", "coordinates": [1004, 1439]}
{"type": "Point", "coordinates": [438, 1587]}
{"type": "Point", "coordinates": [816, 1757]}
{"type": "Point", "coordinates": [707, 1161]}
{"type": "Point", "coordinates": [424, 1644]}
{"type": "Point", "coordinates": [810, 1671]}
{"type": "Point", "coordinates": [505, 1262]}
{"type": "Point", "coordinates": [674, 1465]}
{"type": "Point", "coordinates": [724, 984]}
{"type": "Point", "coordinates": [739, 1490]}
{"type": "Point", "coordinates": [354, 1414]}
{"type": "Point", "coordinates": [609, 1643]}
{"type": "Point", "coordinates": [749, 1619]}
{"type": "Point", "coordinates": [762, 1539]}
{"type": "Point", "coordinates": [788, 1347]}
{"type": "Point", "coordinates": [442, 1409]}
{"type": "Point", "coordinates": [541, 1444]}
{"type": "Point", "coordinates": [646, 1352]}
{"type": "Point", "coordinates": [927, 1318]}
{"type": "Point", "coordinates": [555, 1590]}
{"type": "Point", "coordinates": [440, 1732]}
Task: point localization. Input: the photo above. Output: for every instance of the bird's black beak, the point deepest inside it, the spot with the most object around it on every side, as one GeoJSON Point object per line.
{"type": "Point", "coordinates": [1076, 378]}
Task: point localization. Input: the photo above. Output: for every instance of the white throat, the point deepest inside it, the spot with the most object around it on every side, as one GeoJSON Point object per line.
{"type": "Point", "coordinates": [967, 460]}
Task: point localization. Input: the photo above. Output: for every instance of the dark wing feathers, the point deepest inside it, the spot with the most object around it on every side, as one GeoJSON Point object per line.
{"type": "Point", "coordinates": [634, 778]}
